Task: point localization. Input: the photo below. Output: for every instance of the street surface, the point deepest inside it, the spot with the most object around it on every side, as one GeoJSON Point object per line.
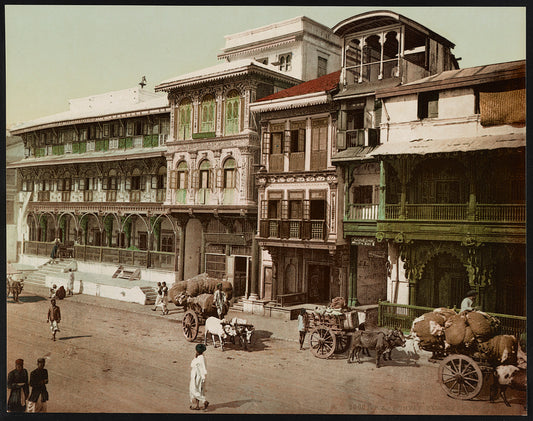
{"type": "Point", "coordinates": [128, 359]}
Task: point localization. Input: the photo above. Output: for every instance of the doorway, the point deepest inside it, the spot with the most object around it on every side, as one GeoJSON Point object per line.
{"type": "Point", "coordinates": [240, 276]}
{"type": "Point", "coordinates": [443, 284]}
{"type": "Point", "coordinates": [318, 276]}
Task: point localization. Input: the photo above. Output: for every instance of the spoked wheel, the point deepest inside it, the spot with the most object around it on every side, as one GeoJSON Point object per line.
{"type": "Point", "coordinates": [460, 377]}
{"type": "Point", "coordinates": [343, 343]}
{"type": "Point", "coordinates": [322, 342]}
{"type": "Point", "coordinates": [190, 325]}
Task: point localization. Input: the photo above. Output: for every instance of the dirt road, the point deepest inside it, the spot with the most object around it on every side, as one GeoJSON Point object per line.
{"type": "Point", "coordinates": [115, 360]}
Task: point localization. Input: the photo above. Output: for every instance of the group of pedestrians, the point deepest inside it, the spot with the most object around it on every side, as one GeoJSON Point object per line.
{"type": "Point", "coordinates": [162, 297]}
{"type": "Point", "coordinates": [20, 400]}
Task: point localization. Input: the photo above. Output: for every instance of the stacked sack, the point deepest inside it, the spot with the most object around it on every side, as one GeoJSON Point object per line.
{"type": "Point", "coordinates": [473, 331]}
{"type": "Point", "coordinates": [198, 285]}
{"type": "Point", "coordinates": [202, 303]}
{"type": "Point", "coordinates": [429, 328]}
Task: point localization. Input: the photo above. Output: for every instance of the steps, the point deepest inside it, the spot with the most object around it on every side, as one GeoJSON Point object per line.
{"type": "Point", "coordinates": [150, 294]}
{"type": "Point", "coordinates": [127, 273]}
{"type": "Point", "coordinates": [38, 277]}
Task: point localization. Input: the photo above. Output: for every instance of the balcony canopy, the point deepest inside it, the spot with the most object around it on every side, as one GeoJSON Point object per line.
{"type": "Point", "coordinates": [370, 21]}
{"type": "Point", "coordinates": [467, 144]}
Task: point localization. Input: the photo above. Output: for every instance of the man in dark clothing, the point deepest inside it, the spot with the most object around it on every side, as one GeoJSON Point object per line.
{"type": "Point", "coordinates": [17, 382]}
{"type": "Point", "coordinates": [39, 394]}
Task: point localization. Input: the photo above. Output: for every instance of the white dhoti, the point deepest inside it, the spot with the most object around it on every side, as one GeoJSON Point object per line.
{"type": "Point", "coordinates": [53, 326]}
{"type": "Point", "coordinates": [38, 406]}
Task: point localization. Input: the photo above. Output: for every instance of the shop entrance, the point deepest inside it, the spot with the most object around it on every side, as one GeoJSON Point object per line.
{"type": "Point", "coordinates": [318, 276]}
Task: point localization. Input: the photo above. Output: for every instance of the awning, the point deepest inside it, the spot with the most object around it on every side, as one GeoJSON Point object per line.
{"type": "Point", "coordinates": [466, 144]}
{"type": "Point", "coordinates": [74, 158]}
{"type": "Point", "coordinates": [358, 153]}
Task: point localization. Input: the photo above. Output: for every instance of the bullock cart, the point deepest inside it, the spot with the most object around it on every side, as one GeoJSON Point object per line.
{"type": "Point", "coordinates": [196, 296]}
{"type": "Point", "coordinates": [461, 376]}
{"type": "Point", "coordinates": [330, 332]}
{"type": "Point", "coordinates": [469, 346]}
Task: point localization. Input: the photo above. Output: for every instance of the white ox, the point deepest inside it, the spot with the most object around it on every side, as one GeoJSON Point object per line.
{"type": "Point", "coordinates": [215, 326]}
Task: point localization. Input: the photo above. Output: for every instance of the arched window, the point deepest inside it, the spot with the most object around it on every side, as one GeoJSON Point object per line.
{"type": "Point", "coordinates": [159, 181]}
{"type": "Point", "coordinates": [111, 181]}
{"type": "Point", "coordinates": [207, 114]}
{"type": "Point", "coordinates": [184, 119]}
{"type": "Point", "coordinates": [231, 122]}
{"type": "Point", "coordinates": [204, 179]}
{"type": "Point", "coordinates": [182, 175]}
{"type": "Point", "coordinates": [135, 181]}
{"type": "Point", "coordinates": [229, 174]}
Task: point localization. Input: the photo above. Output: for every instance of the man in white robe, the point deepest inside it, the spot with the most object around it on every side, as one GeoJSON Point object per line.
{"type": "Point", "coordinates": [197, 384]}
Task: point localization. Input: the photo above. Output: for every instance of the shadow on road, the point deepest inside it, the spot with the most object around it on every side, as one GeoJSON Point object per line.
{"type": "Point", "coordinates": [75, 337]}
{"type": "Point", "coordinates": [28, 299]}
{"type": "Point", "coordinates": [232, 404]}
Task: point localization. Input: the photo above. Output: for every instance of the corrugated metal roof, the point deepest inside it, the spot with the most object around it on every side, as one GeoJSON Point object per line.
{"type": "Point", "coordinates": [461, 77]}
{"type": "Point", "coordinates": [366, 88]}
{"type": "Point", "coordinates": [468, 144]}
{"type": "Point", "coordinates": [358, 153]}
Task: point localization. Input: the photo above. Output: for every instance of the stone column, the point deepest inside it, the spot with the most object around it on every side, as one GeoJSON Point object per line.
{"type": "Point", "coordinates": [204, 223]}
{"type": "Point", "coordinates": [255, 269]}
{"type": "Point", "coordinates": [182, 224]}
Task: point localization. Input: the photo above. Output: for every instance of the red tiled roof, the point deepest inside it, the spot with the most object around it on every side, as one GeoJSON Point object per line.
{"type": "Point", "coordinates": [322, 84]}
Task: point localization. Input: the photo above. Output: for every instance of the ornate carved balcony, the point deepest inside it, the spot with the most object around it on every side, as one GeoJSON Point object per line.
{"type": "Point", "coordinates": [83, 207]}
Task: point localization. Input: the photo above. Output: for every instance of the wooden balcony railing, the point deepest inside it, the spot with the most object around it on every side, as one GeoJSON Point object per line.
{"type": "Point", "coordinates": [362, 212]}
{"type": "Point", "coordinates": [88, 195]}
{"type": "Point", "coordinates": [276, 163]}
{"type": "Point", "coordinates": [43, 196]}
{"type": "Point", "coordinates": [135, 196]}
{"type": "Point", "coordinates": [297, 161]}
{"type": "Point", "coordinates": [111, 195]}
{"type": "Point", "coordinates": [452, 212]}
{"type": "Point", "coordinates": [140, 258]}
{"type": "Point", "coordinates": [161, 195]}
{"type": "Point", "coordinates": [293, 229]}
{"type": "Point", "coordinates": [501, 213]}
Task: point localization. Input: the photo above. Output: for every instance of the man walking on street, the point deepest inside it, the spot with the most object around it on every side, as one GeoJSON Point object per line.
{"type": "Point", "coordinates": [54, 317]}
{"type": "Point", "coordinates": [70, 286]}
{"type": "Point", "coordinates": [159, 296]}
{"type": "Point", "coordinates": [38, 382]}
{"type": "Point", "coordinates": [197, 384]}
{"type": "Point", "coordinates": [164, 300]}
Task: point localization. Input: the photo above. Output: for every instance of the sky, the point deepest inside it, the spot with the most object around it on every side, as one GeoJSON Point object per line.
{"type": "Point", "coordinates": [55, 53]}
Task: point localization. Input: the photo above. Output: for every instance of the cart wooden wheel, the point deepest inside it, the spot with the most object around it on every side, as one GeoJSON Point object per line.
{"type": "Point", "coordinates": [343, 343]}
{"type": "Point", "coordinates": [460, 377]}
{"type": "Point", "coordinates": [190, 325]}
{"type": "Point", "coordinates": [322, 342]}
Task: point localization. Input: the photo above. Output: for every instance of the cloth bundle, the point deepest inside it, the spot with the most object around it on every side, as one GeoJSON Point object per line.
{"type": "Point", "coordinates": [198, 285]}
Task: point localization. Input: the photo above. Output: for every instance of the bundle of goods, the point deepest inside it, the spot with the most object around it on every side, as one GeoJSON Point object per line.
{"type": "Point", "coordinates": [337, 313]}
{"type": "Point", "coordinates": [202, 303]}
{"type": "Point", "coordinates": [198, 285]}
{"type": "Point", "coordinates": [469, 331]}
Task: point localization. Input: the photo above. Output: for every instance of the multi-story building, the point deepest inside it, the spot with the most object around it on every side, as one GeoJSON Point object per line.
{"type": "Point", "coordinates": [453, 209]}
{"type": "Point", "coordinates": [298, 226]}
{"type": "Point", "coordinates": [14, 152]}
{"type": "Point", "coordinates": [213, 148]}
{"type": "Point", "coordinates": [381, 49]}
{"type": "Point", "coordinates": [95, 177]}
{"type": "Point", "coordinates": [298, 47]}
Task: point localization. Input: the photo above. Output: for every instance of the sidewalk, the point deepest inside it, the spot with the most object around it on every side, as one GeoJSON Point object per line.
{"type": "Point", "coordinates": [274, 328]}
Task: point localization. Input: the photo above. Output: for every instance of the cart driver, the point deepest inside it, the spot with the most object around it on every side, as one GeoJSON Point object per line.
{"type": "Point", "coordinates": [220, 300]}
